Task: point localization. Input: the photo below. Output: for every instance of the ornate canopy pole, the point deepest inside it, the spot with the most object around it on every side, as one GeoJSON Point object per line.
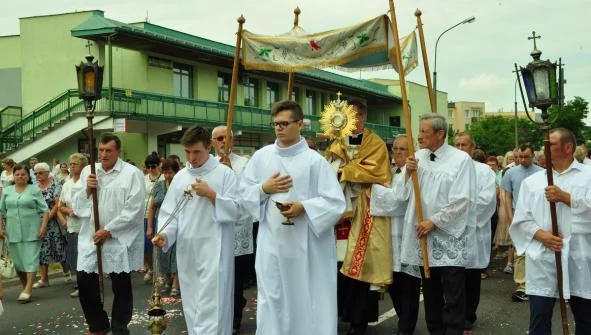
{"type": "Point", "coordinates": [408, 125]}
{"type": "Point", "coordinates": [432, 93]}
{"type": "Point", "coordinates": [233, 89]}
{"type": "Point", "coordinates": [296, 22]}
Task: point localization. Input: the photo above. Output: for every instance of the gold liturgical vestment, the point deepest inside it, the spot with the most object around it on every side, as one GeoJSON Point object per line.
{"type": "Point", "coordinates": [368, 257]}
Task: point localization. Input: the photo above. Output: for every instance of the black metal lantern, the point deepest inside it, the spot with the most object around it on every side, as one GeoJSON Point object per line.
{"type": "Point", "coordinates": [539, 79]}
{"type": "Point", "coordinates": [90, 79]}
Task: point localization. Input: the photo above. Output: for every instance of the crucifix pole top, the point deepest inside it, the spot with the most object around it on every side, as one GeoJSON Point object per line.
{"type": "Point", "coordinates": [88, 45]}
{"type": "Point", "coordinates": [339, 95]}
{"type": "Point", "coordinates": [534, 37]}
{"type": "Point", "coordinates": [297, 13]}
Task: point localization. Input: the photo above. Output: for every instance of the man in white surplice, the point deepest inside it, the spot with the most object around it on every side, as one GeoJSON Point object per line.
{"type": "Point", "coordinates": [406, 284]}
{"type": "Point", "coordinates": [203, 231]}
{"type": "Point", "coordinates": [121, 193]}
{"type": "Point", "coordinates": [447, 182]}
{"type": "Point", "coordinates": [479, 230]}
{"type": "Point", "coordinates": [531, 231]}
{"type": "Point", "coordinates": [243, 243]}
{"type": "Point", "coordinates": [296, 280]}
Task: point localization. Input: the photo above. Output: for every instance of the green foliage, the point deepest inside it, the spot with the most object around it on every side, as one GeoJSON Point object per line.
{"type": "Point", "coordinates": [571, 117]}
{"type": "Point", "coordinates": [451, 133]}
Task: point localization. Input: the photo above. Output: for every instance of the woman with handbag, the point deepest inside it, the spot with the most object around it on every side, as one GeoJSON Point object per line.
{"type": "Point", "coordinates": [26, 223]}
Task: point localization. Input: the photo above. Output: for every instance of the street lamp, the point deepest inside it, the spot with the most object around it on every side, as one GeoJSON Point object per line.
{"type": "Point", "coordinates": [468, 20]}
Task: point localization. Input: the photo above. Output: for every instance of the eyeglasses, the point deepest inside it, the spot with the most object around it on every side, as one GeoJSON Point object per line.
{"type": "Point", "coordinates": [151, 166]}
{"type": "Point", "coordinates": [219, 138]}
{"type": "Point", "coordinates": [399, 149]}
{"type": "Point", "coordinates": [282, 124]}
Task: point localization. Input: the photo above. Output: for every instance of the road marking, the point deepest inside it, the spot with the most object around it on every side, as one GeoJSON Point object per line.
{"type": "Point", "coordinates": [388, 315]}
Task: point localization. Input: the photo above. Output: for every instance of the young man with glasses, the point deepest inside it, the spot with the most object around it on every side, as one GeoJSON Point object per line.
{"type": "Point", "coordinates": [361, 160]}
{"type": "Point", "coordinates": [297, 199]}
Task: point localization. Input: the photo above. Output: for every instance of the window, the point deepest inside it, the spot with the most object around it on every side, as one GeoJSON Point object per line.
{"type": "Point", "coordinates": [310, 103]}
{"type": "Point", "coordinates": [272, 93]}
{"type": "Point", "coordinates": [466, 113]}
{"type": "Point", "coordinates": [476, 113]}
{"type": "Point", "coordinates": [450, 113]}
{"type": "Point", "coordinates": [251, 92]}
{"type": "Point", "coordinates": [224, 81]}
{"type": "Point", "coordinates": [182, 79]}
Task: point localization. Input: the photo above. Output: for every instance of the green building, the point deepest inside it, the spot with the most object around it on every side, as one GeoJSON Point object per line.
{"type": "Point", "coordinates": [157, 82]}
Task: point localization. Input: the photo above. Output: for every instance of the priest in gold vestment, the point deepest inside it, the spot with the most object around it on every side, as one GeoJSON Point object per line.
{"type": "Point", "coordinates": [361, 160]}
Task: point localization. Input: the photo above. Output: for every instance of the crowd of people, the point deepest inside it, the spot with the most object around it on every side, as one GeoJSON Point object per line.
{"type": "Point", "coordinates": [330, 232]}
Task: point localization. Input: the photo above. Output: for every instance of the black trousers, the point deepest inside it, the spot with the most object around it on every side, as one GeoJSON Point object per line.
{"type": "Point", "coordinates": [404, 292]}
{"type": "Point", "coordinates": [360, 304]}
{"type": "Point", "coordinates": [542, 308]}
{"type": "Point", "coordinates": [473, 282]}
{"type": "Point", "coordinates": [240, 274]}
{"type": "Point", "coordinates": [90, 300]}
{"type": "Point", "coordinates": [445, 300]}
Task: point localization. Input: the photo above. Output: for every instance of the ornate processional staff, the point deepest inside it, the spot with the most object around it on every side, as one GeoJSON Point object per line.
{"type": "Point", "coordinates": [90, 84]}
{"type": "Point", "coordinates": [543, 91]}
{"type": "Point", "coordinates": [296, 22]}
{"type": "Point", "coordinates": [408, 125]}
{"type": "Point", "coordinates": [233, 89]}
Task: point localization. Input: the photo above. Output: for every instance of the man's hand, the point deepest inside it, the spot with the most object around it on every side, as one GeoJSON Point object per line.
{"type": "Point", "coordinates": [100, 236]}
{"type": "Point", "coordinates": [295, 209]}
{"type": "Point", "coordinates": [277, 184]}
{"type": "Point", "coordinates": [42, 232]}
{"type": "Point", "coordinates": [555, 194]}
{"type": "Point", "coordinates": [424, 228]}
{"type": "Point", "coordinates": [412, 165]}
{"type": "Point", "coordinates": [67, 211]}
{"type": "Point", "coordinates": [91, 183]}
{"type": "Point", "coordinates": [550, 241]}
{"type": "Point", "coordinates": [160, 240]}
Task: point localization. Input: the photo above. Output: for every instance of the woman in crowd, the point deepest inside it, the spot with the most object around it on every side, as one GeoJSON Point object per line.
{"type": "Point", "coordinates": [166, 260]}
{"type": "Point", "coordinates": [502, 240]}
{"type": "Point", "coordinates": [6, 178]}
{"type": "Point", "coordinates": [68, 218]}
{"type": "Point", "coordinates": [26, 223]}
{"type": "Point", "coordinates": [53, 248]}
{"type": "Point", "coordinates": [152, 164]}
{"type": "Point", "coordinates": [63, 174]}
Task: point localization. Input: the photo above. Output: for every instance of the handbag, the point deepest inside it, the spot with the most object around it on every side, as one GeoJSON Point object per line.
{"type": "Point", "coordinates": [6, 266]}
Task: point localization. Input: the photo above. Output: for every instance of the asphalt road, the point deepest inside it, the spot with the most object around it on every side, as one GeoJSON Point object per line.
{"type": "Point", "coordinates": [52, 311]}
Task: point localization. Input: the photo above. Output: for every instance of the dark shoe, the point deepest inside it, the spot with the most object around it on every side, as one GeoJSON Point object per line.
{"type": "Point", "coordinates": [357, 330]}
{"type": "Point", "coordinates": [102, 332]}
{"type": "Point", "coordinates": [519, 296]}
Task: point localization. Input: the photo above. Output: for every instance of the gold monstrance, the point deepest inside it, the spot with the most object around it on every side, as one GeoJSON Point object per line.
{"type": "Point", "coordinates": [338, 119]}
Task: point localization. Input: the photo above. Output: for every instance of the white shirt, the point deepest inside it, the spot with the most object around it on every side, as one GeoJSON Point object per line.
{"type": "Point", "coordinates": [69, 189]}
{"type": "Point", "coordinates": [448, 191]}
{"type": "Point", "coordinates": [121, 194]}
{"type": "Point", "coordinates": [574, 223]}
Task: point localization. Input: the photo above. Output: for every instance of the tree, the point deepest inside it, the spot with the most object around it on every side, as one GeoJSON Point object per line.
{"type": "Point", "coordinates": [571, 117]}
{"type": "Point", "coordinates": [451, 134]}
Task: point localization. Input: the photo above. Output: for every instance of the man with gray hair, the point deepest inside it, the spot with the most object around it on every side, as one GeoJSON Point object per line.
{"type": "Point", "coordinates": [447, 181]}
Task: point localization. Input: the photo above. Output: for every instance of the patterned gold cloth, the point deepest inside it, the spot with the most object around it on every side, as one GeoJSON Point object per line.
{"type": "Point", "coordinates": [369, 249]}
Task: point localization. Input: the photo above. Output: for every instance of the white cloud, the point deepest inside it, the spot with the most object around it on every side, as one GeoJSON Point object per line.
{"type": "Point", "coordinates": [480, 83]}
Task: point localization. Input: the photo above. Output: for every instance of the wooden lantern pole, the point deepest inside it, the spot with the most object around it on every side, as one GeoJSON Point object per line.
{"type": "Point", "coordinates": [408, 125]}
{"type": "Point", "coordinates": [432, 98]}
{"type": "Point", "coordinates": [233, 89]}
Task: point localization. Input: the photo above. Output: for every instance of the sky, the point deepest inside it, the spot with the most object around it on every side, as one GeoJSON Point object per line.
{"type": "Point", "coordinates": [474, 61]}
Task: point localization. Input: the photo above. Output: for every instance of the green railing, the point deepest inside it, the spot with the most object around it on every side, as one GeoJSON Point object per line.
{"type": "Point", "coordinates": [136, 105]}
{"type": "Point", "coordinates": [9, 115]}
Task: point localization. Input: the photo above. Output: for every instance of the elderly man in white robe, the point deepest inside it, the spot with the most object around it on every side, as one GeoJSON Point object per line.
{"type": "Point", "coordinates": [479, 230]}
{"type": "Point", "coordinates": [203, 231]}
{"type": "Point", "coordinates": [531, 231]}
{"type": "Point", "coordinates": [243, 241]}
{"type": "Point", "coordinates": [297, 199]}
{"type": "Point", "coordinates": [405, 288]}
{"type": "Point", "coordinates": [121, 192]}
{"type": "Point", "coordinates": [447, 181]}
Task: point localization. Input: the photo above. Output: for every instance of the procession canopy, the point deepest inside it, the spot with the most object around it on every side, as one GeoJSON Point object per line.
{"type": "Point", "coordinates": [364, 46]}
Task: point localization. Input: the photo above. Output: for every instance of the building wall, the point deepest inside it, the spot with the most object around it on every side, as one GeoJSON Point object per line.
{"type": "Point", "coordinates": [45, 72]}
{"type": "Point", "coordinates": [61, 151]}
{"type": "Point", "coordinates": [461, 108]}
{"type": "Point", "coordinates": [10, 57]}
{"type": "Point", "coordinates": [10, 87]}
{"type": "Point", "coordinates": [134, 146]}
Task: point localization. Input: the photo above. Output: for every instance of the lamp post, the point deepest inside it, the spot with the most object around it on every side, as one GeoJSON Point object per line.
{"type": "Point", "coordinates": [468, 20]}
{"type": "Point", "coordinates": [90, 84]}
{"type": "Point", "coordinates": [541, 87]}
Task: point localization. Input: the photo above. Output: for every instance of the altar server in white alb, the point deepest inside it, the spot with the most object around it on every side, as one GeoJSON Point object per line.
{"type": "Point", "coordinates": [531, 231]}
{"type": "Point", "coordinates": [243, 241]}
{"type": "Point", "coordinates": [121, 194]}
{"type": "Point", "coordinates": [203, 231]}
{"type": "Point", "coordinates": [406, 285]}
{"type": "Point", "coordinates": [295, 263]}
{"type": "Point", "coordinates": [447, 181]}
{"type": "Point", "coordinates": [479, 230]}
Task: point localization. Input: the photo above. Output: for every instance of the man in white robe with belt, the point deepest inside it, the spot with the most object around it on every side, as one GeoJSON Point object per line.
{"type": "Point", "coordinates": [447, 182]}
{"type": "Point", "coordinates": [203, 231]}
{"type": "Point", "coordinates": [296, 280]}
{"type": "Point", "coordinates": [479, 230]}
{"type": "Point", "coordinates": [531, 231]}
{"type": "Point", "coordinates": [243, 241]}
{"type": "Point", "coordinates": [121, 193]}
{"type": "Point", "coordinates": [406, 284]}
